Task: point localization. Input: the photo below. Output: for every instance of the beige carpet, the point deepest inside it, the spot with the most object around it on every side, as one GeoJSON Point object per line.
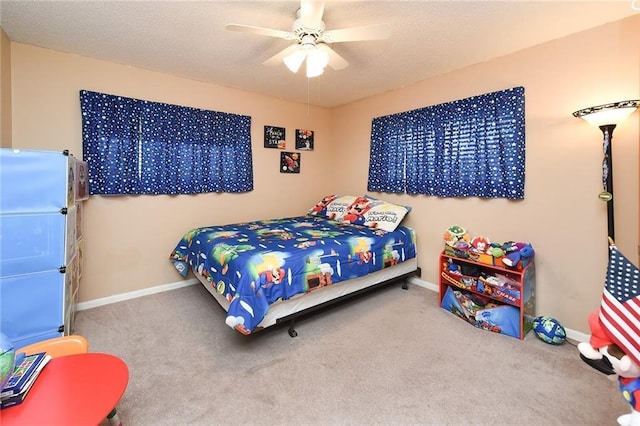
{"type": "Point", "coordinates": [392, 358]}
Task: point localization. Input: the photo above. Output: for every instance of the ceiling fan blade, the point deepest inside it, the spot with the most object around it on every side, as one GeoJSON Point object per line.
{"type": "Point", "coordinates": [269, 32]}
{"type": "Point", "coordinates": [311, 13]}
{"type": "Point", "coordinates": [336, 61]}
{"type": "Point", "coordinates": [278, 58]}
{"type": "Point", "coordinates": [367, 32]}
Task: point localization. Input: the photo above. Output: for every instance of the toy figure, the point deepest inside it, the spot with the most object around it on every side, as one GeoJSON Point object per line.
{"type": "Point", "coordinates": [604, 355]}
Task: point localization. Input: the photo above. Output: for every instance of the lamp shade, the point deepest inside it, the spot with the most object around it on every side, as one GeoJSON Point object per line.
{"type": "Point", "coordinates": [316, 61]}
{"type": "Point", "coordinates": [294, 60]}
{"type": "Point", "coordinates": [607, 114]}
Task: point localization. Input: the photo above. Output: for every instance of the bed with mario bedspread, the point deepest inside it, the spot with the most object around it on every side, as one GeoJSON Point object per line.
{"type": "Point", "coordinates": [263, 271]}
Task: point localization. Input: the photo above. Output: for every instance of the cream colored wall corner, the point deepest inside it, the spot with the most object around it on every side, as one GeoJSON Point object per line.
{"type": "Point", "coordinates": [5, 90]}
{"type": "Point", "coordinates": [128, 240]}
{"type": "Point", "coordinates": [561, 214]}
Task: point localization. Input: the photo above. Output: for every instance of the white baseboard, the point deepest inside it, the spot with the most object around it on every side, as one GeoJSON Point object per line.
{"type": "Point", "coordinates": [571, 334]}
{"type": "Point", "coordinates": [423, 283]}
{"type": "Point", "coordinates": [134, 294]}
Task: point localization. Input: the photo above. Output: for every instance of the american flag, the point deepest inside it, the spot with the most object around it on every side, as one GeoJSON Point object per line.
{"type": "Point", "coordinates": [620, 307]}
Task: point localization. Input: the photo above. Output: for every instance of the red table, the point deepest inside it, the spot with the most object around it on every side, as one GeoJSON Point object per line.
{"type": "Point", "coordinates": [72, 390]}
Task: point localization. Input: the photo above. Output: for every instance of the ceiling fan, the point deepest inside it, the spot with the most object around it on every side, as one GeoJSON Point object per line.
{"type": "Point", "coordinates": [311, 39]}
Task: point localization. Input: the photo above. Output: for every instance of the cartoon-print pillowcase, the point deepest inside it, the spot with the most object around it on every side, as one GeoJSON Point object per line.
{"type": "Point", "coordinates": [384, 215]}
{"type": "Point", "coordinates": [333, 206]}
{"type": "Point", "coordinates": [320, 209]}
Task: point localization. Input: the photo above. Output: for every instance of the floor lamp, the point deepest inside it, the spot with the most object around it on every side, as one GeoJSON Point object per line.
{"type": "Point", "coordinates": [606, 117]}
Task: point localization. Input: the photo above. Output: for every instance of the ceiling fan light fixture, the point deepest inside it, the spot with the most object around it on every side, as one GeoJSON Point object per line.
{"type": "Point", "coordinates": [313, 71]}
{"type": "Point", "coordinates": [318, 57]}
{"type": "Point", "coordinates": [310, 39]}
{"type": "Point", "coordinates": [317, 60]}
{"type": "Point", "coordinates": [295, 60]}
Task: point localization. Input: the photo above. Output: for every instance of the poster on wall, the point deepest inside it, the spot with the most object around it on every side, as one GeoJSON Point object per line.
{"type": "Point", "coordinates": [80, 255]}
{"type": "Point", "coordinates": [289, 162]}
{"type": "Point", "coordinates": [275, 137]}
{"type": "Point", "coordinates": [82, 180]}
{"type": "Point", "coordinates": [304, 139]}
{"type": "Point", "coordinates": [78, 221]}
{"type": "Point", "coordinates": [71, 181]}
{"type": "Point", "coordinates": [70, 238]}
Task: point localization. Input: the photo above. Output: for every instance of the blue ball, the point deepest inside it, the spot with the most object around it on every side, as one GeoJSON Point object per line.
{"type": "Point", "coordinates": [549, 330]}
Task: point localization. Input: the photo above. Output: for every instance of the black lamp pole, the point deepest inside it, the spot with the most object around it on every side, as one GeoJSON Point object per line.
{"type": "Point", "coordinates": [608, 113]}
{"type": "Point", "coordinates": [607, 176]}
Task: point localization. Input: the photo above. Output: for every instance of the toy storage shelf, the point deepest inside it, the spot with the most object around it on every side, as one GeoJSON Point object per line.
{"type": "Point", "coordinates": [490, 297]}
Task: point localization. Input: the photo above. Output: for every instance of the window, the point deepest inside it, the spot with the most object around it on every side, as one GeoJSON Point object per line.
{"type": "Point", "coordinates": [470, 147]}
{"type": "Point", "coordinates": [141, 147]}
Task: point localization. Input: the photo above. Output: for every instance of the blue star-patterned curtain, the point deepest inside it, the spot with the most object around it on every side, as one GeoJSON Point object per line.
{"type": "Point", "coordinates": [469, 147]}
{"type": "Point", "coordinates": [141, 147]}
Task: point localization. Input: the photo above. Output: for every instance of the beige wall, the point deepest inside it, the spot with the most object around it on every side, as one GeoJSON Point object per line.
{"type": "Point", "coordinates": [561, 214]}
{"type": "Point", "coordinates": [5, 90]}
{"type": "Point", "coordinates": [128, 239]}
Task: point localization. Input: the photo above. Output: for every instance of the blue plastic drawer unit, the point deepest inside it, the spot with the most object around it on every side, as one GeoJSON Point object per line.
{"type": "Point", "coordinates": [33, 181]}
{"type": "Point", "coordinates": [38, 247]}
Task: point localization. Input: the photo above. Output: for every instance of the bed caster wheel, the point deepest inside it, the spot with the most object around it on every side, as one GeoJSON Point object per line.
{"type": "Point", "coordinates": [292, 332]}
{"type": "Point", "coordinates": [405, 285]}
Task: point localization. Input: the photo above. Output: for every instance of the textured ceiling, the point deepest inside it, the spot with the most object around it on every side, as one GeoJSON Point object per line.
{"type": "Point", "coordinates": [188, 39]}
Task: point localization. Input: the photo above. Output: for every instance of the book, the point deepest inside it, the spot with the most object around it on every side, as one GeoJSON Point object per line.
{"type": "Point", "coordinates": [24, 374]}
{"type": "Point", "coordinates": [22, 394]}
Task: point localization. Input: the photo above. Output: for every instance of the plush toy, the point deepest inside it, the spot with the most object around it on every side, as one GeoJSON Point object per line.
{"type": "Point", "coordinates": [455, 234]}
{"type": "Point", "coordinates": [604, 355]}
{"type": "Point", "coordinates": [495, 250]}
{"type": "Point", "coordinates": [512, 246]}
{"type": "Point", "coordinates": [517, 252]}
{"type": "Point", "coordinates": [480, 244]}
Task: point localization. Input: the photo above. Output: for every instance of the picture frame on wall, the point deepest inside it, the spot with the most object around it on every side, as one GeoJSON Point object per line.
{"type": "Point", "coordinates": [290, 162]}
{"type": "Point", "coordinates": [275, 137]}
{"type": "Point", "coordinates": [304, 139]}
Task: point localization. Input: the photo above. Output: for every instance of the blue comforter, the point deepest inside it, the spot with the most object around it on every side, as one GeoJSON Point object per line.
{"type": "Point", "coordinates": [254, 264]}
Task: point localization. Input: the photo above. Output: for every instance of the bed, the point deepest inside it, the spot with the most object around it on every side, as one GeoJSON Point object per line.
{"type": "Point", "coordinates": [266, 272]}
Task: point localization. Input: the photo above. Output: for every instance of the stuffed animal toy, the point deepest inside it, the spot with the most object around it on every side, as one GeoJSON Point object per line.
{"type": "Point", "coordinates": [455, 234]}
{"type": "Point", "coordinates": [495, 250]}
{"type": "Point", "coordinates": [604, 355]}
{"type": "Point", "coordinates": [512, 246]}
{"type": "Point", "coordinates": [480, 244]}
{"type": "Point", "coordinates": [517, 252]}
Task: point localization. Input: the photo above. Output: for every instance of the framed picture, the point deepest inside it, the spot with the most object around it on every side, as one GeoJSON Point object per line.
{"type": "Point", "coordinates": [275, 137]}
{"type": "Point", "coordinates": [290, 162]}
{"type": "Point", "coordinates": [304, 139]}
